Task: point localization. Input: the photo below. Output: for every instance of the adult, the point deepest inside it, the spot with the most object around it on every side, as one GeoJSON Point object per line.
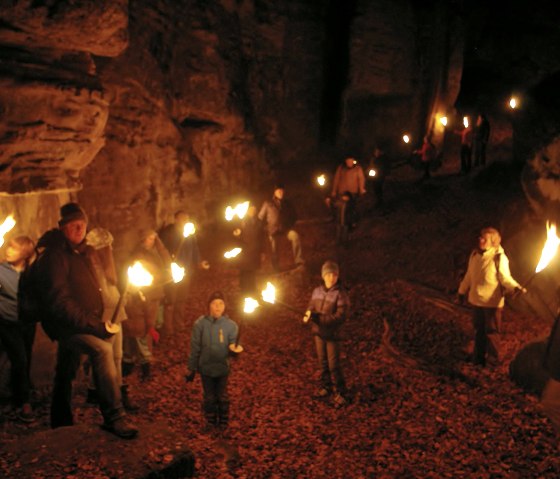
{"type": "Point", "coordinates": [427, 153]}
{"type": "Point", "coordinates": [279, 217]}
{"type": "Point", "coordinates": [465, 151]}
{"type": "Point", "coordinates": [186, 253]}
{"type": "Point", "coordinates": [251, 241]}
{"type": "Point", "coordinates": [377, 172]}
{"type": "Point", "coordinates": [73, 313]}
{"type": "Point", "coordinates": [16, 334]}
{"type": "Point", "coordinates": [349, 178]}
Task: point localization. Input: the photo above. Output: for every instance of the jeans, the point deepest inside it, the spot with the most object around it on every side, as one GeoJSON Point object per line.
{"type": "Point", "coordinates": [118, 357]}
{"type": "Point", "coordinates": [328, 355]}
{"type": "Point", "coordinates": [216, 400]}
{"type": "Point", "coordinates": [293, 238]}
{"type": "Point", "coordinates": [487, 323]}
{"type": "Point", "coordinates": [100, 353]}
{"type": "Point", "coordinates": [17, 339]}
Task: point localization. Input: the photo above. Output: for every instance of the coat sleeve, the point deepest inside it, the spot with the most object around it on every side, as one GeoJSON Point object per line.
{"type": "Point", "coordinates": [464, 286]}
{"type": "Point", "coordinates": [361, 180]}
{"type": "Point", "coordinates": [61, 303]}
{"type": "Point", "coordinates": [233, 332]}
{"type": "Point", "coordinates": [196, 346]}
{"type": "Point", "coordinates": [504, 274]}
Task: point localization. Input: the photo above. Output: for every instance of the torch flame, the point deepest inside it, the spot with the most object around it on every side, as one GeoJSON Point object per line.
{"type": "Point", "coordinates": [550, 247]}
{"type": "Point", "coordinates": [177, 273]}
{"type": "Point", "coordinates": [232, 253]}
{"type": "Point", "coordinates": [188, 229]}
{"type": "Point", "coordinates": [406, 138]}
{"type": "Point", "coordinates": [443, 120]}
{"type": "Point", "coordinates": [372, 172]}
{"type": "Point", "coordinates": [513, 103]}
{"type": "Point", "coordinates": [139, 276]}
{"type": "Point", "coordinates": [466, 121]}
{"type": "Point", "coordinates": [321, 179]}
{"type": "Point", "coordinates": [269, 294]}
{"type": "Point", "coordinates": [240, 210]}
{"type": "Point", "coordinates": [250, 305]}
{"type": "Point", "coordinates": [6, 226]}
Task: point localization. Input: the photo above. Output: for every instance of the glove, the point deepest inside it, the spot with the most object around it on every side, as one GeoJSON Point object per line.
{"type": "Point", "coordinates": [189, 377]}
{"type": "Point", "coordinates": [461, 299]}
{"type": "Point", "coordinates": [315, 317]}
{"type": "Point", "coordinates": [154, 334]}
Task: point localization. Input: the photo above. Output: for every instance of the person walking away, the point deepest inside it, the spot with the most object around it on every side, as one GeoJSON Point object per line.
{"type": "Point", "coordinates": [279, 217]}
{"type": "Point", "coordinates": [327, 311]}
{"type": "Point", "coordinates": [73, 315]}
{"type": "Point", "coordinates": [486, 281]}
{"type": "Point", "coordinates": [16, 332]}
{"type": "Point", "coordinates": [212, 340]}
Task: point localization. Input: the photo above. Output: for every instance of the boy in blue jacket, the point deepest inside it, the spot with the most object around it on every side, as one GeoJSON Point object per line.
{"type": "Point", "coordinates": [212, 337]}
{"type": "Point", "coordinates": [327, 311]}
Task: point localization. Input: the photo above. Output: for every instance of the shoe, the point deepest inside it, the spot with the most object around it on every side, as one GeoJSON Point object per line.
{"type": "Point", "coordinates": [25, 414]}
{"type": "Point", "coordinates": [121, 427]}
{"type": "Point", "coordinates": [322, 393]}
{"type": "Point", "coordinates": [339, 400]}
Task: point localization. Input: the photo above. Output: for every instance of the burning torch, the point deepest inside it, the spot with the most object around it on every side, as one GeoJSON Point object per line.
{"type": "Point", "coordinates": [269, 296]}
{"type": "Point", "coordinates": [137, 276]}
{"type": "Point", "coordinates": [5, 227]}
{"type": "Point", "coordinates": [548, 252]}
{"type": "Point", "coordinates": [239, 210]}
{"type": "Point", "coordinates": [249, 307]}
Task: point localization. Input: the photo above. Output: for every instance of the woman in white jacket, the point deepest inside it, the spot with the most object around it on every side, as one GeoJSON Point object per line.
{"type": "Point", "coordinates": [486, 281]}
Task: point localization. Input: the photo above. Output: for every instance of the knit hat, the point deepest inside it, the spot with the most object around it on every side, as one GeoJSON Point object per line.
{"type": "Point", "coordinates": [71, 212]}
{"type": "Point", "coordinates": [329, 267]}
{"type": "Point", "coordinates": [216, 295]}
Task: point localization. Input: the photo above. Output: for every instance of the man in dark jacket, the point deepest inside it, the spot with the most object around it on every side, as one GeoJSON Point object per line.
{"type": "Point", "coordinates": [73, 309]}
{"type": "Point", "coordinates": [279, 217]}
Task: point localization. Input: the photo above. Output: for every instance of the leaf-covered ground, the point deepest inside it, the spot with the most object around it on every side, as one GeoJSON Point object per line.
{"type": "Point", "coordinates": [418, 408]}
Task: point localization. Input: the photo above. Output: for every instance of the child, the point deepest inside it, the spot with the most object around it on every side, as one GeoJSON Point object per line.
{"type": "Point", "coordinates": [327, 311]}
{"type": "Point", "coordinates": [212, 338]}
{"type": "Point", "coordinates": [486, 281]}
{"type": "Point", "coordinates": [17, 333]}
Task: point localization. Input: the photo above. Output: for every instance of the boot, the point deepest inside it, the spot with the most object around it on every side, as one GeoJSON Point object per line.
{"type": "Point", "coordinates": [122, 427]}
{"type": "Point", "coordinates": [146, 373]}
{"type": "Point", "coordinates": [128, 404]}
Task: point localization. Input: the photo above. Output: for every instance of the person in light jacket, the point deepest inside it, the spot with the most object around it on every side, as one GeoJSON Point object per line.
{"type": "Point", "coordinates": [485, 283]}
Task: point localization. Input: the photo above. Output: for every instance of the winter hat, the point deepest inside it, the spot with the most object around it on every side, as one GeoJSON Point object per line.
{"type": "Point", "coordinates": [329, 267]}
{"type": "Point", "coordinates": [216, 295]}
{"type": "Point", "coordinates": [71, 212]}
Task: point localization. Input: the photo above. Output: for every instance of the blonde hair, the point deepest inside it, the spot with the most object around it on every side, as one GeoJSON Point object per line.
{"type": "Point", "coordinates": [495, 237]}
{"type": "Point", "coordinates": [27, 246]}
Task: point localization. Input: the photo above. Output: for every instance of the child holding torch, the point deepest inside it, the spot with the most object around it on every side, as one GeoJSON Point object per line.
{"type": "Point", "coordinates": [213, 337]}
{"type": "Point", "coordinates": [327, 311]}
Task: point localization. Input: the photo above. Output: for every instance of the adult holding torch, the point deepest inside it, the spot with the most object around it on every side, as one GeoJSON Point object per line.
{"type": "Point", "coordinates": [486, 281]}
{"type": "Point", "coordinates": [182, 244]}
{"type": "Point", "coordinates": [72, 307]}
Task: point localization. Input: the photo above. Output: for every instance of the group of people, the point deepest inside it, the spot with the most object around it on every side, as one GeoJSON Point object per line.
{"type": "Point", "coordinates": [474, 140]}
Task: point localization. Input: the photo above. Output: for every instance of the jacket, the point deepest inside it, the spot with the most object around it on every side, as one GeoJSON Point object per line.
{"type": "Point", "coordinates": [9, 279]}
{"type": "Point", "coordinates": [69, 290]}
{"type": "Point", "coordinates": [488, 278]}
{"type": "Point", "coordinates": [279, 216]}
{"type": "Point", "coordinates": [210, 342]}
{"type": "Point", "coordinates": [351, 180]}
{"type": "Point", "coordinates": [333, 305]}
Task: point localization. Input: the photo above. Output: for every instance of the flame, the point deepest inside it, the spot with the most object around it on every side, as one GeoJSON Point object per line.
{"type": "Point", "coordinates": [250, 305]}
{"type": "Point", "coordinates": [550, 247]}
{"type": "Point", "coordinates": [6, 226]}
{"type": "Point", "coordinates": [189, 229]}
{"type": "Point", "coordinates": [177, 273]}
{"type": "Point", "coordinates": [372, 172]}
{"type": "Point", "coordinates": [322, 180]}
{"type": "Point", "coordinates": [139, 276]}
{"type": "Point", "coordinates": [406, 138]}
{"type": "Point", "coordinates": [443, 120]}
{"type": "Point", "coordinates": [240, 210]}
{"type": "Point", "coordinates": [269, 294]}
{"type": "Point", "coordinates": [466, 121]}
{"type": "Point", "coordinates": [232, 253]}
{"type": "Point", "coordinates": [513, 102]}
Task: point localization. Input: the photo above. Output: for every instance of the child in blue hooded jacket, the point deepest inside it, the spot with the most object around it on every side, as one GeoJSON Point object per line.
{"type": "Point", "coordinates": [211, 338]}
